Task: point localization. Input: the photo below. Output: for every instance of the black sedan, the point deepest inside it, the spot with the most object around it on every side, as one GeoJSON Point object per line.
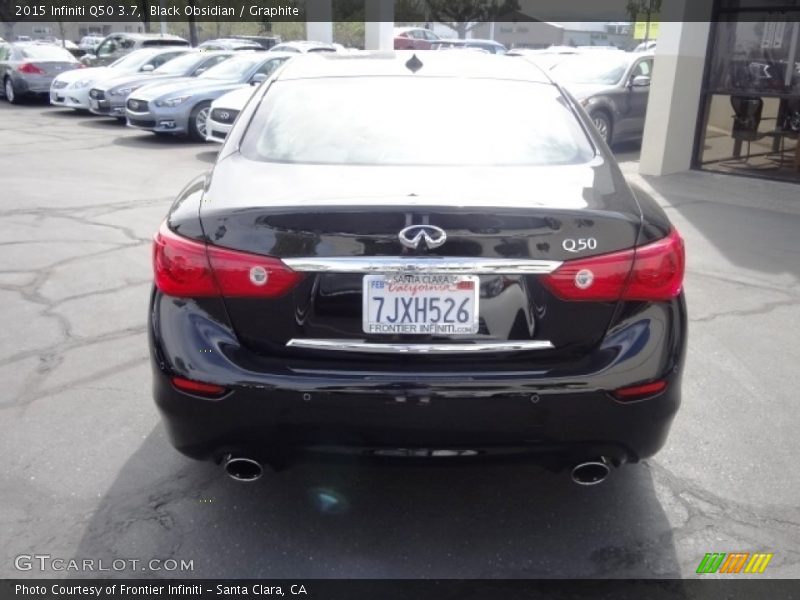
{"type": "Point", "coordinates": [336, 286]}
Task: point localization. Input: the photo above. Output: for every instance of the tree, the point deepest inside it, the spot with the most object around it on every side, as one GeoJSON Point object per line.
{"type": "Point", "coordinates": [464, 15]}
{"type": "Point", "coordinates": [635, 8]}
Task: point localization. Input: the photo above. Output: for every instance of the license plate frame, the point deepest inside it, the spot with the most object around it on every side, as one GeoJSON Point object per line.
{"type": "Point", "coordinates": [415, 292]}
{"type": "Point", "coordinates": [95, 104]}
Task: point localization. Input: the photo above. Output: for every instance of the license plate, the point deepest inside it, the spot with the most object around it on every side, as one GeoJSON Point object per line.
{"type": "Point", "coordinates": [94, 104]}
{"type": "Point", "coordinates": [414, 304]}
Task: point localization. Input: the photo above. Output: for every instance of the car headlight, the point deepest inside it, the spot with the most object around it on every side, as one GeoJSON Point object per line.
{"type": "Point", "coordinates": [170, 102]}
{"type": "Point", "coordinates": [122, 91]}
{"type": "Point", "coordinates": [82, 83]}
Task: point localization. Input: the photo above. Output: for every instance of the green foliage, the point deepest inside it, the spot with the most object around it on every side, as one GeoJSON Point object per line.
{"type": "Point", "coordinates": [463, 15]}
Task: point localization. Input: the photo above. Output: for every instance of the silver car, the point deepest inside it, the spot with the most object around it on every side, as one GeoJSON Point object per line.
{"type": "Point", "coordinates": [182, 106]}
{"type": "Point", "coordinates": [613, 87]}
{"type": "Point", "coordinates": [107, 97]}
{"type": "Point", "coordinates": [29, 68]}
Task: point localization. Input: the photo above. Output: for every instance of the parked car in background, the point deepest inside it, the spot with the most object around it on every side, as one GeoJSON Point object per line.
{"type": "Point", "coordinates": [545, 58]}
{"type": "Point", "coordinates": [117, 45]}
{"type": "Point", "coordinates": [489, 46]}
{"type": "Point", "coordinates": [267, 41]}
{"type": "Point", "coordinates": [613, 88]}
{"type": "Point", "coordinates": [335, 286]}
{"type": "Point", "coordinates": [71, 90]}
{"type": "Point", "coordinates": [224, 111]}
{"type": "Point", "coordinates": [108, 96]}
{"type": "Point", "coordinates": [29, 68]}
{"type": "Point", "coordinates": [414, 38]}
{"type": "Point", "coordinates": [232, 44]}
{"type": "Point", "coordinates": [304, 47]}
{"type": "Point", "coordinates": [648, 46]}
{"type": "Point", "coordinates": [182, 106]}
{"type": "Point", "coordinates": [89, 43]}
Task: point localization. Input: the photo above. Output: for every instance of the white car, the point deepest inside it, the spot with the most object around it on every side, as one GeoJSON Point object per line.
{"type": "Point", "coordinates": [224, 111]}
{"type": "Point", "coordinates": [71, 89]}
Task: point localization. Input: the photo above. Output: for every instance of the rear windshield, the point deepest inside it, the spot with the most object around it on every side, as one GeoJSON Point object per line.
{"type": "Point", "coordinates": [415, 121]}
{"type": "Point", "coordinates": [150, 43]}
{"type": "Point", "coordinates": [47, 53]}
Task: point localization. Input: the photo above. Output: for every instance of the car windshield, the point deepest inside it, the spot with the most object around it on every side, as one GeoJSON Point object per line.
{"type": "Point", "coordinates": [133, 61]}
{"type": "Point", "coordinates": [392, 121]}
{"type": "Point", "coordinates": [604, 70]}
{"type": "Point", "coordinates": [179, 65]}
{"type": "Point", "coordinates": [45, 52]}
{"type": "Point", "coordinates": [234, 69]}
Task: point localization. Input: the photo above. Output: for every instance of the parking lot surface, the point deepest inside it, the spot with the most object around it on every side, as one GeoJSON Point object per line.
{"type": "Point", "coordinates": [88, 473]}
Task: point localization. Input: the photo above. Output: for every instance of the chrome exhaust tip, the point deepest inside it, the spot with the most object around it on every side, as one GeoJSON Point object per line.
{"type": "Point", "coordinates": [243, 469]}
{"type": "Point", "coordinates": [591, 472]}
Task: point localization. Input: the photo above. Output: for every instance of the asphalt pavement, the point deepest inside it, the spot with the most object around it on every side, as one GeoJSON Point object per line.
{"type": "Point", "coordinates": [88, 473]}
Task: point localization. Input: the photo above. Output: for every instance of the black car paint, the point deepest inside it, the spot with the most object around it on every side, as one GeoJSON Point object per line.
{"type": "Point", "coordinates": [554, 403]}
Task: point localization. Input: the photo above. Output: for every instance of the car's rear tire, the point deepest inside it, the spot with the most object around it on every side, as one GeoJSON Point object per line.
{"type": "Point", "coordinates": [198, 120]}
{"type": "Point", "coordinates": [603, 124]}
{"type": "Point", "coordinates": [10, 92]}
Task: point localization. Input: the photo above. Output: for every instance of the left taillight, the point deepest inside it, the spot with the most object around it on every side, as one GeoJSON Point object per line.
{"type": "Point", "coordinates": [187, 268]}
{"type": "Point", "coordinates": [30, 69]}
{"type": "Point", "coordinates": [649, 273]}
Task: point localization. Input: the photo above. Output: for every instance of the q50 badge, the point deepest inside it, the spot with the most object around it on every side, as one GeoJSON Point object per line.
{"type": "Point", "coordinates": [579, 245]}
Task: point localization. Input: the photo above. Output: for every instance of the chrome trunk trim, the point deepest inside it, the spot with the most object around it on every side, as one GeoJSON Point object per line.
{"type": "Point", "coordinates": [427, 264]}
{"type": "Point", "coordinates": [419, 348]}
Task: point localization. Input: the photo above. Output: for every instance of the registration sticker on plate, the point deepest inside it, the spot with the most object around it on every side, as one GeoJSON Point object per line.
{"type": "Point", "coordinates": [411, 303]}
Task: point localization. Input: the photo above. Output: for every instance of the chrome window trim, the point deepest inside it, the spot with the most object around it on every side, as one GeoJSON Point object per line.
{"type": "Point", "coordinates": [419, 348]}
{"type": "Point", "coordinates": [428, 264]}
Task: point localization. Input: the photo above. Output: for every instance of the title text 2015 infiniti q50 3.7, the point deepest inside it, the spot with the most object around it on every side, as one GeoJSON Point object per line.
{"type": "Point", "coordinates": [338, 285]}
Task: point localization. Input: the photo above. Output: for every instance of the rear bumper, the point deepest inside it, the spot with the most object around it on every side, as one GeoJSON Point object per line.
{"type": "Point", "coordinates": [272, 406]}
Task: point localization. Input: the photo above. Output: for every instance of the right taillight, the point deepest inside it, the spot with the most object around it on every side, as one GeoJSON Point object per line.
{"type": "Point", "coordinates": [648, 273]}
{"type": "Point", "coordinates": [187, 268]}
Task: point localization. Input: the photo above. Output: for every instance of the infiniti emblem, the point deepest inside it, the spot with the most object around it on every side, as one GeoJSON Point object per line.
{"type": "Point", "coordinates": [411, 236]}
{"type": "Point", "coordinates": [224, 115]}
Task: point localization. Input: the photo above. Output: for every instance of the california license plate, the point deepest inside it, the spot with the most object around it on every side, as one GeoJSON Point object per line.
{"type": "Point", "coordinates": [94, 104]}
{"type": "Point", "coordinates": [414, 304]}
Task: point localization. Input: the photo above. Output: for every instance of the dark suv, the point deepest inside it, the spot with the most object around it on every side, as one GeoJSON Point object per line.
{"type": "Point", "coordinates": [117, 45]}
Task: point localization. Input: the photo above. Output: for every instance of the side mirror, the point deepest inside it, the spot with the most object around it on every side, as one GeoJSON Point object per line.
{"type": "Point", "coordinates": [147, 68]}
{"type": "Point", "coordinates": [258, 78]}
{"type": "Point", "coordinates": [641, 81]}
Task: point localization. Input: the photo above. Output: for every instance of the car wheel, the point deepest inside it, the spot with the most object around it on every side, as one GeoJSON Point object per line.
{"type": "Point", "coordinates": [198, 120]}
{"type": "Point", "coordinates": [10, 92]}
{"type": "Point", "coordinates": [602, 123]}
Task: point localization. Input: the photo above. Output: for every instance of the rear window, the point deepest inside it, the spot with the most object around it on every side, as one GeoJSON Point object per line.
{"type": "Point", "coordinates": [415, 121]}
{"type": "Point", "coordinates": [165, 43]}
{"type": "Point", "coordinates": [44, 52]}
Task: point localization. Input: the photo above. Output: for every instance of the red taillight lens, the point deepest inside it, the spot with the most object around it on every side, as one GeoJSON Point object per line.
{"type": "Point", "coordinates": [30, 69]}
{"type": "Point", "coordinates": [658, 270]}
{"type": "Point", "coordinates": [181, 266]}
{"type": "Point", "coordinates": [198, 387]}
{"type": "Point", "coordinates": [653, 272]}
{"type": "Point", "coordinates": [251, 275]}
{"type": "Point", "coordinates": [187, 268]}
{"type": "Point", "coordinates": [637, 392]}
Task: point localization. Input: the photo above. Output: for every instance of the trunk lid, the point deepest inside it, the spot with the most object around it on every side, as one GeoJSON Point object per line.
{"type": "Point", "coordinates": [497, 214]}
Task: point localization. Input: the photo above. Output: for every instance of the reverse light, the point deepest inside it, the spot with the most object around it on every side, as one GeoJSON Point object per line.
{"type": "Point", "coordinates": [30, 69]}
{"type": "Point", "coordinates": [649, 273]}
{"type": "Point", "coordinates": [198, 387]}
{"type": "Point", "coordinates": [187, 268]}
{"type": "Point", "coordinates": [638, 392]}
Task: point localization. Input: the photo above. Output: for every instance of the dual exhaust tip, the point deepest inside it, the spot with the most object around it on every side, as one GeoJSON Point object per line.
{"type": "Point", "coordinates": [591, 472]}
{"type": "Point", "coordinates": [248, 470]}
{"type": "Point", "coordinates": [242, 469]}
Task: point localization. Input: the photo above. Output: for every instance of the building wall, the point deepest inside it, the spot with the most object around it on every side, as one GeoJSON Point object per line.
{"type": "Point", "coordinates": [523, 34]}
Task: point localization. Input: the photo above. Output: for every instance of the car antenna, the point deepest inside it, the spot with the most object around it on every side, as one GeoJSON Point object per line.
{"type": "Point", "coordinates": [414, 64]}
